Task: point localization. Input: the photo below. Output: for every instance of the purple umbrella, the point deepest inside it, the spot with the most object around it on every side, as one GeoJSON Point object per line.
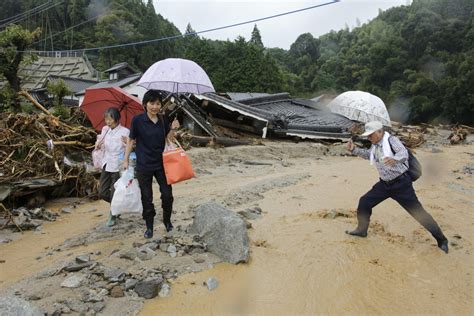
{"type": "Point", "coordinates": [177, 76]}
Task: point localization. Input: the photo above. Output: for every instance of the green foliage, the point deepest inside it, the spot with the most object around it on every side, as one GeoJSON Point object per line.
{"type": "Point", "coordinates": [14, 40]}
{"type": "Point", "coordinates": [59, 90]}
{"type": "Point", "coordinates": [418, 58]}
{"type": "Point", "coordinates": [256, 38]}
{"type": "Point", "coordinates": [8, 97]}
{"type": "Point", "coordinates": [236, 66]}
{"type": "Point", "coordinates": [62, 111]}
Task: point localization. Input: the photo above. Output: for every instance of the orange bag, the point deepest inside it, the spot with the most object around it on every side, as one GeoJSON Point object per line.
{"type": "Point", "coordinates": [177, 165]}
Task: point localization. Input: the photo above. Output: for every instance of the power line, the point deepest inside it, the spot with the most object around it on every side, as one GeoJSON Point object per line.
{"type": "Point", "coordinates": [72, 27]}
{"type": "Point", "coordinates": [26, 12]}
{"type": "Point", "coordinates": [32, 14]}
{"type": "Point", "coordinates": [189, 34]}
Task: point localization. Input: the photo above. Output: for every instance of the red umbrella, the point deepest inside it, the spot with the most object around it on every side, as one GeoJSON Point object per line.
{"type": "Point", "coordinates": [97, 100]}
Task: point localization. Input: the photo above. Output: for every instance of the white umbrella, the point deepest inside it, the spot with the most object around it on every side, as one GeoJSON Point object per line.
{"type": "Point", "coordinates": [176, 75]}
{"type": "Point", "coordinates": [360, 106]}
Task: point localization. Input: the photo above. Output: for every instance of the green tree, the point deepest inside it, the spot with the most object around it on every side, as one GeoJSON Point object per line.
{"type": "Point", "coordinates": [190, 31]}
{"type": "Point", "coordinates": [59, 90]}
{"type": "Point", "coordinates": [256, 38]}
{"type": "Point", "coordinates": [14, 40]}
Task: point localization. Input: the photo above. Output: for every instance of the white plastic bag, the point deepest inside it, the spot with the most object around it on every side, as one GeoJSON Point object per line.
{"type": "Point", "coordinates": [127, 197]}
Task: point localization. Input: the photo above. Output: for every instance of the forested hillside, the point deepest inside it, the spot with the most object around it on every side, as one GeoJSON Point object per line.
{"type": "Point", "coordinates": [419, 59]}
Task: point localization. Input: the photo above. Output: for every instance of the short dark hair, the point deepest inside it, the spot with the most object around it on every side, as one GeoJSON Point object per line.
{"type": "Point", "coordinates": [152, 96]}
{"type": "Point", "coordinates": [114, 113]}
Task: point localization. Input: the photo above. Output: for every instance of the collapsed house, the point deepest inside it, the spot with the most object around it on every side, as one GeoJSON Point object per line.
{"type": "Point", "coordinates": [269, 116]}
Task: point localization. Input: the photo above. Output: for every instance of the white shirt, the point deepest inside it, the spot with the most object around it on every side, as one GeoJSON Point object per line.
{"type": "Point", "coordinates": [113, 145]}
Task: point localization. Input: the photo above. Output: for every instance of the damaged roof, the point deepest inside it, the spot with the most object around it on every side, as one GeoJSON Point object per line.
{"type": "Point", "coordinates": [286, 116]}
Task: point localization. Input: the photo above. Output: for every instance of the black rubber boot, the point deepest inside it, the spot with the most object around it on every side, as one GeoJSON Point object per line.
{"type": "Point", "coordinates": [149, 228]}
{"type": "Point", "coordinates": [443, 244]}
{"type": "Point", "coordinates": [362, 227]}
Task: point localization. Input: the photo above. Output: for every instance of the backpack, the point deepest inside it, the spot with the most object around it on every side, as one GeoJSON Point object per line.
{"type": "Point", "coordinates": [414, 166]}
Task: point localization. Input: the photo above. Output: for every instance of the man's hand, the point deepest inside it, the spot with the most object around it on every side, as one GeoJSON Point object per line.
{"type": "Point", "coordinates": [388, 161]}
{"type": "Point", "coordinates": [350, 145]}
{"type": "Point", "coordinates": [124, 139]}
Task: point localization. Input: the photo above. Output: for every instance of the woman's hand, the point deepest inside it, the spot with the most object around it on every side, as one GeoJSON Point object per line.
{"type": "Point", "coordinates": [124, 139]}
{"type": "Point", "coordinates": [125, 164]}
{"type": "Point", "coordinates": [175, 124]}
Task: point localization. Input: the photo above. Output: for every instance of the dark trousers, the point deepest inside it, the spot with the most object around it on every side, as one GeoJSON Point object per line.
{"type": "Point", "coordinates": [145, 180]}
{"type": "Point", "coordinates": [106, 184]}
{"type": "Point", "coordinates": [401, 191]}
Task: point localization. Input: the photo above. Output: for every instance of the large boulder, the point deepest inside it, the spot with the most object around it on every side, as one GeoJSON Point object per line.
{"type": "Point", "coordinates": [15, 306]}
{"type": "Point", "coordinates": [149, 288]}
{"type": "Point", "coordinates": [224, 232]}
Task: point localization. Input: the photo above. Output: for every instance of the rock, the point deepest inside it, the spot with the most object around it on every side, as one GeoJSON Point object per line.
{"type": "Point", "coordinates": [4, 240]}
{"type": "Point", "coordinates": [76, 306]}
{"type": "Point", "coordinates": [148, 250]}
{"type": "Point", "coordinates": [165, 290]}
{"type": "Point", "coordinates": [468, 169]}
{"type": "Point", "coordinates": [144, 256]}
{"type": "Point", "coordinates": [21, 219]}
{"type": "Point", "coordinates": [110, 286]}
{"type": "Point", "coordinates": [46, 273]}
{"type": "Point", "coordinates": [164, 247]}
{"type": "Point", "coordinates": [60, 309]}
{"type": "Point", "coordinates": [73, 281]}
{"type": "Point", "coordinates": [137, 244]}
{"type": "Point", "coordinates": [116, 291]}
{"type": "Point", "coordinates": [130, 254]}
{"type": "Point", "coordinates": [83, 259]}
{"type": "Point", "coordinates": [130, 284]}
{"type": "Point", "coordinates": [114, 274]}
{"type": "Point", "coordinates": [33, 297]}
{"type": "Point", "coordinates": [251, 213]}
{"type": "Point", "coordinates": [11, 305]}
{"type": "Point", "coordinates": [199, 259]}
{"type": "Point", "coordinates": [98, 306]}
{"type": "Point", "coordinates": [436, 150]}
{"type": "Point", "coordinates": [212, 283]}
{"type": "Point", "coordinates": [93, 296]}
{"type": "Point", "coordinates": [152, 245]}
{"type": "Point", "coordinates": [77, 266]}
{"type": "Point", "coordinates": [67, 210]}
{"type": "Point", "coordinates": [172, 250]}
{"type": "Point", "coordinates": [100, 285]}
{"type": "Point", "coordinates": [148, 289]}
{"type": "Point", "coordinates": [224, 232]}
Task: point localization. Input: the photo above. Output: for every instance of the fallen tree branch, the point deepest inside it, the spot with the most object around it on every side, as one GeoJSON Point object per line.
{"type": "Point", "coordinates": [35, 103]}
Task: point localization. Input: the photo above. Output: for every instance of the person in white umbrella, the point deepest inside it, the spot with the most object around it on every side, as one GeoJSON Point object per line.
{"type": "Point", "coordinates": [391, 159]}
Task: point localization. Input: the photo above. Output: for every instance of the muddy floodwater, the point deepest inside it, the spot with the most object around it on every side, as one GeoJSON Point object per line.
{"type": "Point", "coordinates": [302, 262]}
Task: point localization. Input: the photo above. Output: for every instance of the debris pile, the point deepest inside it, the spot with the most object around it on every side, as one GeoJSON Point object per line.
{"type": "Point", "coordinates": [26, 219]}
{"type": "Point", "coordinates": [411, 136]}
{"type": "Point", "coordinates": [40, 150]}
{"type": "Point", "coordinates": [459, 134]}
